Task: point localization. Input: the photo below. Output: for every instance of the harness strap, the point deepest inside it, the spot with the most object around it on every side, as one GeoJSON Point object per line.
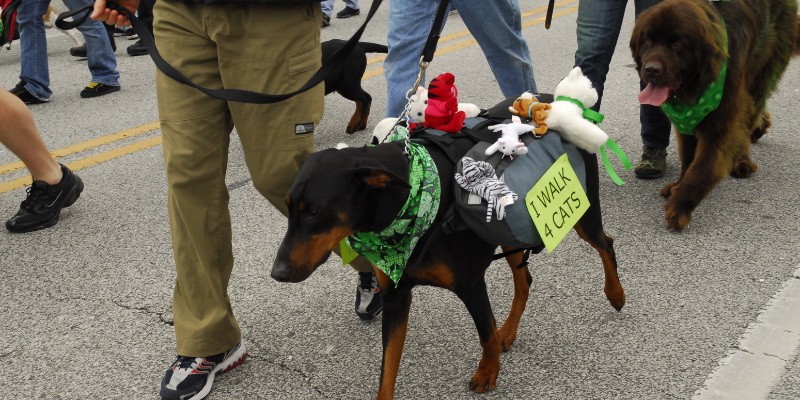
{"type": "Point", "coordinates": [243, 96]}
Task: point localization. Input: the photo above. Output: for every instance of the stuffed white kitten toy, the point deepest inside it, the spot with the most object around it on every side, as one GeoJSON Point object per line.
{"type": "Point", "coordinates": [566, 117]}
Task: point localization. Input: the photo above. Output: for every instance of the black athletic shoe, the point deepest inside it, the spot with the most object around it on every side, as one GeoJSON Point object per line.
{"type": "Point", "coordinates": [326, 20]}
{"type": "Point", "coordinates": [24, 95]}
{"type": "Point", "coordinates": [368, 298]}
{"type": "Point", "coordinates": [95, 89]}
{"type": "Point", "coordinates": [348, 12]}
{"type": "Point", "coordinates": [137, 49]}
{"type": "Point", "coordinates": [119, 32]}
{"type": "Point", "coordinates": [190, 378]}
{"type": "Point", "coordinates": [80, 51]}
{"type": "Point", "coordinates": [44, 202]}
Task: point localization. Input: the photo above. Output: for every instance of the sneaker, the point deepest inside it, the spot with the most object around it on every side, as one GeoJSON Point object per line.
{"type": "Point", "coordinates": [95, 89]}
{"type": "Point", "coordinates": [368, 299]}
{"type": "Point", "coordinates": [42, 207]}
{"type": "Point", "coordinates": [652, 164]}
{"type": "Point", "coordinates": [80, 51]}
{"type": "Point", "coordinates": [348, 12]}
{"type": "Point", "coordinates": [119, 32]}
{"type": "Point", "coordinates": [24, 95]}
{"type": "Point", "coordinates": [190, 378]}
{"type": "Point", "coordinates": [137, 49]}
{"type": "Point", "coordinates": [326, 20]}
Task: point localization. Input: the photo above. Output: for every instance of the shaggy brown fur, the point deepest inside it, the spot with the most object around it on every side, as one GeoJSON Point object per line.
{"type": "Point", "coordinates": [680, 44]}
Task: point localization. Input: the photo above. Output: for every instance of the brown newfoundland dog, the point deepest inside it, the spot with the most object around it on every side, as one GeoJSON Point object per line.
{"type": "Point", "coordinates": [711, 67]}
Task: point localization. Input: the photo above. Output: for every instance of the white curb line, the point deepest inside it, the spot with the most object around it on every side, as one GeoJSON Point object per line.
{"type": "Point", "coordinates": [768, 344]}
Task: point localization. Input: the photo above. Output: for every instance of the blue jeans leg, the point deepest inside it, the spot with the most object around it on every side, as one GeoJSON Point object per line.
{"type": "Point", "coordinates": [33, 47]}
{"type": "Point", "coordinates": [599, 24]}
{"type": "Point", "coordinates": [495, 24]}
{"type": "Point", "coordinates": [327, 7]}
{"type": "Point", "coordinates": [100, 57]}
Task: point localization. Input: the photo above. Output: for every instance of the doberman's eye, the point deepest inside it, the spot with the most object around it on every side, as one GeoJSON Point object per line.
{"type": "Point", "coordinates": [313, 211]}
{"type": "Point", "coordinates": [677, 44]}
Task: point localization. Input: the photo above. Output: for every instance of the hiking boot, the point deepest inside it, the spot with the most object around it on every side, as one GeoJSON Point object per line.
{"type": "Point", "coordinates": [137, 49]}
{"type": "Point", "coordinates": [190, 378]}
{"type": "Point", "coordinates": [42, 207]}
{"type": "Point", "coordinates": [326, 20]}
{"type": "Point", "coordinates": [348, 12]}
{"type": "Point", "coordinates": [368, 299]}
{"type": "Point", "coordinates": [652, 164]}
{"type": "Point", "coordinates": [24, 95]}
{"type": "Point", "coordinates": [95, 89]}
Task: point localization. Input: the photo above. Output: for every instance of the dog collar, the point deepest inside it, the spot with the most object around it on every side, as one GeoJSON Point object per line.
{"type": "Point", "coordinates": [588, 113]}
{"type": "Point", "coordinates": [686, 117]}
{"type": "Point", "coordinates": [390, 249]}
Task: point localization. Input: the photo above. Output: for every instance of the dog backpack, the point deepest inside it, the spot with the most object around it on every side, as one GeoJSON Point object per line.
{"type": "Point", "coordinates": [478, 206]}
{"type": "Point", "coordinates": [8, 31]}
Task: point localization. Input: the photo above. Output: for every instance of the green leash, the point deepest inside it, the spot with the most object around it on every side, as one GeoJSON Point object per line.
{"type": "Point", "coordinates": [597, 118]}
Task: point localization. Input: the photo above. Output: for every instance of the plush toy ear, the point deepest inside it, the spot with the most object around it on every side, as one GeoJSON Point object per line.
{"type": "Point", "coordinates": [377, 178]}
{"type": "Point", "coordinates": [516, 119]}
{"type": "Point", "coordinates": [575, 73]}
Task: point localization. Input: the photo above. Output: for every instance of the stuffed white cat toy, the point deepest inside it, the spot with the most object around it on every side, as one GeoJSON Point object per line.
{"type": "Point", "coordinates": [509, 143]}
{"type": "Point", "coordinates": [566, 117]}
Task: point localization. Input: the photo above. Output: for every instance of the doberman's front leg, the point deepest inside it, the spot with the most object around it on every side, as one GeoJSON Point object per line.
{"type": "Point", "coordinates": [396, 306]}
{"type": "Point", "coordinates": [522, 285]}
{"type": "Point", "coordinates": [477, 301]}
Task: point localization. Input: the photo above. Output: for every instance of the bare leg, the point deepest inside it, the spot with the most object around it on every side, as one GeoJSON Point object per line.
{"type": "Point", "coordinates": [18, 132]}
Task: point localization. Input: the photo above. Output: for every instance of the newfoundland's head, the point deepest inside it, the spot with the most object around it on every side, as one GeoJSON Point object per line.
{"type": "Point", "coordinates": [678, 46]}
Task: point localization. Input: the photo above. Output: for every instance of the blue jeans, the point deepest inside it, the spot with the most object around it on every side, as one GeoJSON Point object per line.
{"type": "Point", "coordinates": [495, 24]}
{"type": "Point", "coordinates": [34, 71]}
{"type": "Point", "coordinates": [599, 23]}
{"type": "Point", "coordinates": [327, 6]}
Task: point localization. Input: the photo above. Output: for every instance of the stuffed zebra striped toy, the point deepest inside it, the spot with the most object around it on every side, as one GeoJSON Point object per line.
{"type": "Point", "coordinates": [479, 178]}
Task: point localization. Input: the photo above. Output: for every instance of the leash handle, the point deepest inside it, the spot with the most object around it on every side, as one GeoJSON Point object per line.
{"type": "Point", "coordinates": [243, 96]}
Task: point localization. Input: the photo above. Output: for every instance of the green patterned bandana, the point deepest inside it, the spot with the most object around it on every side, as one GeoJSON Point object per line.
{"type": "Point", "coordinates": [686, 117]}
{"type": "Point", "coordinates": [389, 250]}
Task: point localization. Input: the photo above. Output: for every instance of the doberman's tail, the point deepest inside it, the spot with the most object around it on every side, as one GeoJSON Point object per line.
{"type": "Point", "coordinates": [373, 47]}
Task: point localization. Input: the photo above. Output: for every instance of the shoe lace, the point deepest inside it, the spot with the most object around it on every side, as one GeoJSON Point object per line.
{"type": "Point", "coordinates": [185, 362]}
{"type": "Point", "coordinates": [365, 281]}
{"type": "Point", "coordinates": [93, 85]}
{"type": "Point", "coordinates": [34, 193]}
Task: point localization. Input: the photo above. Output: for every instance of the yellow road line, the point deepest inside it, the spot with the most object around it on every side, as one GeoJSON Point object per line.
{"type": "Point", "coordinates": [77, 148]}
{"type": "Point", "coordinates": [466, 43]}
{"type": "Point", "coordinates": [132, 148]}
{"type": "Point", "coordinates": [88, 161]}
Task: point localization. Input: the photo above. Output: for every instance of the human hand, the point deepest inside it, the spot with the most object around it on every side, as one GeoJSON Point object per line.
{"type": "Point", "coordinates": [113, 17]}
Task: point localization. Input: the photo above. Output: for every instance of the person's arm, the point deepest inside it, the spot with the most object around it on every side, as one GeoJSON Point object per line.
{"type": "Point", "coordinates": [18, 132]}
{"type": "Point", "coordinates": [112, 17]}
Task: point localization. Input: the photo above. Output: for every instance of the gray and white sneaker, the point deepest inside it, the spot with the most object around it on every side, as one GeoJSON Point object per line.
{"type": "Point", "coordinates": [190, 378]}
{"type": "Point", "coordinates": [368, 298]}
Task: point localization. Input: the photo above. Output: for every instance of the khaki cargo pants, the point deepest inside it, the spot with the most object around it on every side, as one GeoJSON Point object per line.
{"type": "Point", "coordinates": [268, 49]}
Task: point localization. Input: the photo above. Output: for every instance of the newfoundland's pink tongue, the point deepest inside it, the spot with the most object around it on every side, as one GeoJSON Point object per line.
{"type": "Point", "coordinates": [653, 95]}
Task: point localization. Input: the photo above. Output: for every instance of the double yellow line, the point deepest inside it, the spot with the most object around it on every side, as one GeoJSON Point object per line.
{"type": "Point", "coordinates": [154, 141]}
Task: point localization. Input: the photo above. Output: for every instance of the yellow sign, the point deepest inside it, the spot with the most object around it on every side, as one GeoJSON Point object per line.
{"type": "Point", "coordinates": [348, 254]}
{"type": "Point", "coordinates": [556, 202]}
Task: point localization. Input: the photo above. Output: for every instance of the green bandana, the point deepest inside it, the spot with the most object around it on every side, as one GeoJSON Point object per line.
{"type": "Point", "coordinates": [686, 117]}
{"type": "Point", "coordinates": [389, 250]}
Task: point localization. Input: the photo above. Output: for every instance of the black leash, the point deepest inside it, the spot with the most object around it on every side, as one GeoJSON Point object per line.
{"type": "Point", "coordinates": [243, 96]}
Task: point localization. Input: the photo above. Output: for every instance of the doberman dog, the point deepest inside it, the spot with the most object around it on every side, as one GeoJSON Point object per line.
{"type": "Point", "coordinates": [339, 192]}
{"type": "Point", "coordinates": [347, 79]}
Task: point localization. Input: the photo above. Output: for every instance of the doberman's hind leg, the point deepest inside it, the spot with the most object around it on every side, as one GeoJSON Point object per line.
{"type": "Point", "coordinates": [476, 300]}
{"type": "Point", "coordinates": [604, 245]}
{"type": "Point", "coordinates": [522, 284]}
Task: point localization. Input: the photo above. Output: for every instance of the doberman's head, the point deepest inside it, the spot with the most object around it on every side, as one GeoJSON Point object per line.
{"type": "Point", "coordinates": [335, 194]}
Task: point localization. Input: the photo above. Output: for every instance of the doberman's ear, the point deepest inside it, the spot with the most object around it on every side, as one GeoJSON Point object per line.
{"type": "Point", "coordinates": [377, 178]}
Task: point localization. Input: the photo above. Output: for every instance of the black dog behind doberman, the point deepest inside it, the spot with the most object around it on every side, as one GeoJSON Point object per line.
{"type": "Point", "coordinates": [339, 192]}
{"type": "Point", "coordinates": [347, 79]}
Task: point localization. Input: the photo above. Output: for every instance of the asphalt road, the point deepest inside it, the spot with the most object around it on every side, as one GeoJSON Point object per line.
{"type": "Point", "coordinates": [87, 304]}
